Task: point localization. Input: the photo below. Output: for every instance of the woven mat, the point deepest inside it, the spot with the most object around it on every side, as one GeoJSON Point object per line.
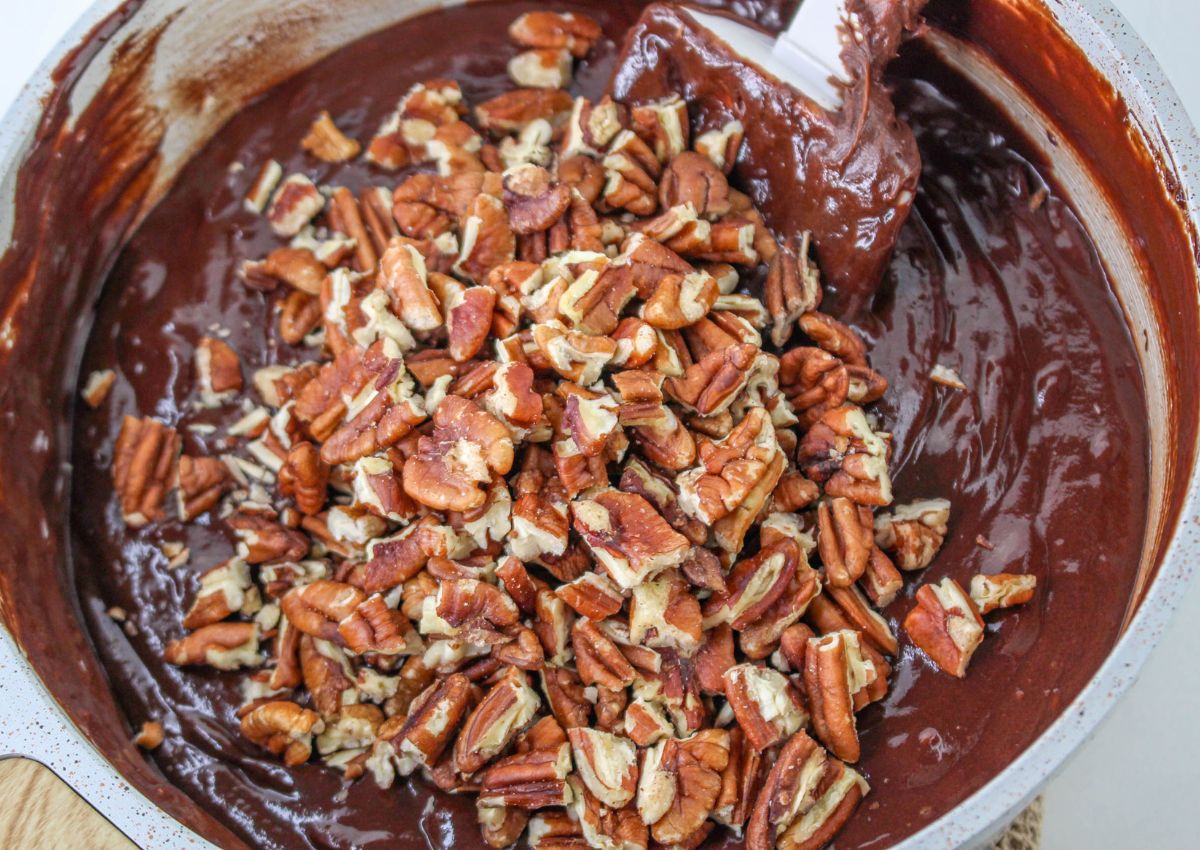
{"type": "Point", "coordinates": [1026, 831]}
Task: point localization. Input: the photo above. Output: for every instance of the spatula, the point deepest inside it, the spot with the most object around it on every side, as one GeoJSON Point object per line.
{"type": "Point", "coordinates": [807, 55]}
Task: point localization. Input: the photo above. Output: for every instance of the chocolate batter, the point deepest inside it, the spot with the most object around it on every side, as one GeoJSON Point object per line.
{"type": "Point", "coordinates": [1044, 455]}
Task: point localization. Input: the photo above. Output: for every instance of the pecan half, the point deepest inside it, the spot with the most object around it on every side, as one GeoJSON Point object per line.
{"type": "Point", "coordinates": [304, 477]}
{"type": "Point", "coordinates": [144, 468]}
{"type": "Point", "coordinates": [946, 626]}
{"type": "Point", "coordinates": [834, 672]}
{"type": "Point", "coordinates": [792, 288]}
{"type": "Point", "coordinates": [317, 608]}
{"type": "Point", "coordinates": [534, 777]}
{"type": "Point", "coordinates": [845, 538]}
{"type": "Point", "coordinates": [848, 457]}
{"type": "Point", "coordinates": [202, 483]}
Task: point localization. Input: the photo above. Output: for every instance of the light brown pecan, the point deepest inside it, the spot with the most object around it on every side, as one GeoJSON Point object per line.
{"type": "Point", "coordinates": [765, 703]}
{"type": "Point", "coordinates": [663, 125]}
{"type": "Point", "coordinates": [913, 533]}
{"type": "Point", "coordinates": [427, 206]}
{"type": "Point", "coordinates": [403, 275]}
{"type": "Point", "coordinates": [391, 561]}
{"type": "Point", "coordinates": [946, 626]}
{"type": "Point", "coordinates": [792, 288]}
{"type": "Point", "coordinates": [432, 722]}
{"type": "Point", "coordinates": [542, 68]}
{"type": "Point", "coordinates": [1001, 590]}
{"type": "Point", "coordinates": [807, 798]}
{"type": "Point", "coordinates": [534, 201]}
{"type": "Point", "coordinates": [507, 708]}
{"type": "Point", "coordinates": [740, 781]}
{"type": "Point", "coordinates": [606, 763]}
{"type": "Point", "coordinates": [225, 646]}
{"type": "Point", "coordinates": [454, 464]}
{"type": "Point", "coordinates": [838, 339]}
{"type": "Point", "coordinates": [326, 142]}
{"type": "Point", "coordinates": [603, 826]}
{"type": "Point", "coordinates": [882, 582]}
{"type": "Point", "coordinates": [373, 626]}
{"type": "Point", "coordinates": [660, 492]}
{"type": "Point", "coordinates": [848, 457]}
{"type": "Point", "coordinates": [566, 696]}
{"type": "Point", "coordinates": [299, 268]}
{"type": "Point", "coordinates": [296, 202]}
{"type": "Point", "coordinates": [592, 595]}
{"type": "Point", "coordinates": [304, 477]}
{"type": "Point", "coordinates": [224, 590]}
{"type": "Point", "coordinates": [317, 608]}
{"type": "Point", "coordinates": [299, 315]}
{"type": "Point", "coordinates": [283, 728]}
{"type": "Point", "coordinates": [722, 145]}
{"type": "Point", "coordinates": [599, 660]}
{"type": "Point", "coordinates": [730, 469]}
{"type": "Point", "coordinates": [663, 613]}
{"type": "Point", "coordinates": [834, 672]}
{"type": "Point", "coordinates": [144, 468]}
{"type": "Point", "coordinates": [680, 301]}
{"type": "Point", "coordinates": [534, 777]}
{"type": "Point", "coordinates": [814, 381]}
{"type": "Point", "coordinates": [710, 385]}
{"type": "Point", "coordinates": [576, 356]}
{"type": "Point", "coordinates": [692, 178]}
{"type": "Point", "coordinates": [472, 608]}
{"type": "Point", "coordinates": [681, 783]}
{"type": "Point", "coordinates": [570, 31]}
{"type": "Point", "coordinates": [202, 483]}
{"type": "Point", "coordinates": [761, 638]}
{"type": "Point", "coordinates": [857, 609]}
{"type": "Point", "coordinates": [501, 826]}
{"type": "Point", "coordinates": [267, 540]}
{"type": "Point", "coordinates": [326, 675]}
{"type": "Point", "coordinates": [629, 539]}
{"type": "Point", "coordinates": [754, 585]}
{"type": "Point", "coordinates": [794, 492]}
{"type": "Point", "coordinates": [513, 111]}
{"type": "Point", "coordinates": [845, 538]}
{"type": "Point", "coordinates": [487, 239]}
{"type": "Point", "coordinates": [646, 724]}
{"type": "Point", "coordinates": [513, 399]}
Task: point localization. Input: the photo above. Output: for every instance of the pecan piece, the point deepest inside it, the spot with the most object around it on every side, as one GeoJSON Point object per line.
{"type": "Point", "coordinates": [534, 201]}
{"type": "Point", "coordinates": [266, 540]}
{"type": "Point", "coordinates": [592, 596]}
{"type": "Point", "coordinates": [513, 111]}
{"type": "Point", "coordinates": [144, 468]}
{"type": "Point", "coordinates": [792, 288]}
{"type": "Point", "coordinates": [846, 455]}
{"type": "Point", "coordinates": [566, 696]}
{"type": "Point", "coordinates": [467, 447]}
{"type": "Point", "coordinates": [534, 777]}
{"type": "Point", "coordinates": [838, 339]}
{"type": "Point", "coordinates": [598, 658]}
{"type": "Point", "coordinates": [373, 626]}
{"type": "Point", "coordinates": [501, 826]}
{"type": "Point", "coordinates": [326, 142]}
{"type": "Point", "coordinates": [739, 781]}
{"type": "Point", "coordinates": [225, 646]}
{"type": "Point", "coordinates": [541, 68]}
{"type": "Point", "coordinates": [765, 704]}
{"type": "Point", "coordinates": [845, 538]}
{"type": "Point", "coordinates": [710, 385]}
{"type": "Point", "coordinates": [317, 608]}
{"type": "Point", "coordinates": [432, 722]}
{"type": "Point", "coordinates": [283, 728]}
{"type": "Point", "coordinates": [404, 277]}
{"type": "Point", "coordinates": [680, 301]}
{"type": "Point", "coordinates": [503, 712]}
{"type": "Point", "coordinates": [629, 539]}
{"type": "Point", "coordinates": [604, 827]}
{"type": "Point", "coordinates": [681, 783]}
{"type": "Point", "coordinates": [913, 533]}
{"type": "Point", "coordinates": [570, 31]}
{"type": "Point", "coordinates": [692, 178]}
{"type": "Point", "coordinates": [814, 381]}
{"type": "Point", "coordinates": [663, 613]}
{"type": "Point", "coordinates": [296, 202]}
{"type": "Point", "coordinates": [645, 723]}
{"type": "Point", "coordinates": [304, 477]}
{"type": "Point", "coordinates": [391, 561]}
{"type": "Point", "coordinates": [1001, 590]}
{"type": "Point", "coordinates": [730, 469]}
{"type": "Point", "coordinates": [807, 798]}
{"type": "Point", "coordinates": [606, 763]}
{"type": "Point", "coordinates": [834, 673]}
{"type": "Point", "coordinates": [487, 239]}
{"type": "Point", "coordinates": [202, 483]}
{"type": "Point", "coordinates": [946, 626]}
{"type": "Point", "coordinates": [224, 590]}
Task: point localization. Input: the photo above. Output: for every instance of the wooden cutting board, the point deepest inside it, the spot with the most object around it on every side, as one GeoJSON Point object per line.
{"type": "Point", "coordinates": [38, 811]}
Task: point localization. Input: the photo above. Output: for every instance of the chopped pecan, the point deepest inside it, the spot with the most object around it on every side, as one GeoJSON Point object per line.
{"type": "Point", "coordinates": [95, 389]}
{"type": "Point", "coordinates": [946, 626]}
{"type": "Point", "coordinates": [864, 618]}
{"type": "Point", "coordinates": [513, 111]}
{"type": "Point", "coordinates": [629, 539]}
{"type": "Point", "coordinates": [838, 339]}
{"type": "Point", "coordinates": [403, 275]}
{"type": "Point", "coordinates": [598, 658]}
{"type": "Point", "coordinates": [1001, 590]}
{"type": "Point", "coordinates": [469, 607]}
{"type": "Point", "coordinates": [692, 178]}
{"type": "Point", "coordinates": [264, 184]}
{"type": "Point", "coordinates": [765, 703]}
{"type": "Point", "coordinates": [604, 827]}
{"type": "Point", "coordinates": [541, 68]}
{"type": "Point", "coordinates": [513, 399]}
{"type": "Point", "coordinates": [432, 722]}
{"type": "Point", "coordinates": [296, 202]}
{"type": "Point", "coordinates": [503, 712]}
{"type": "Point", "coordinates": [845, 540]}
{"type": "Point", "coordinates": [317, 608]}
{"type": "Point", "coordinates": [664, 613]}
{"type": "Point", "coordinates": [740, 781]}
{"type": "Point", "coordinates": [792, 288]}
{"type": "Point", "coordinates": [722, 145]}
{"type": "Point", "coordinates": [391, 561]}
{"type": "Point", "coordinates": [679, 301]}
{"type": "Point", "coordinates": [266, 540]}
{"type": "Point", "coordinates": [467, 447]}
{"type": "Point", "coordinates": [610, 708]}
{"type": "Point", "coordinates": [326, 142]}
{"type": "Point", "coordinates": [807, 798]}
{"type": "Point", "coordinates": [592, 596]}
{"type": "Point", "coordinates": [534, 777]}
{"type": "Point", "coordinates": [606, 763]}
{"type": "Point", "coordinates": [534, 201]}
{"type": "Point", "coordinates": [575, 355]}
{"type": "Point", "coordinates": [224, 590]}
{"type": "Point", "coordinates": [487, 239]}
{"type": "Point", "coordinates": [501, 826]}
{"type": "Point", "coordinates": [202, 483]}
{"type": "Point", "coordinates": [326, 674]}
{"type": "Point", "coordinates": [225, 646]}
{"type": "Point", "coordinates": [645, 723]}
{"type": "Point", "coordinates": [681, 783]}
{"type": "Point", "coordinates": [283, 728]}
{"type": "Point", "coordinates": [882, 582]}
{"type": "Point", "coordinates": [710, 385]}
{"type": "Point", "coordinates": [571, 31]}
{"type": "Point", "coordinates": [913, 533]}
{"type": "Point", "coordinates": [834, 672]}
{"type": "Point", "coordinates": [427, 206]}
{"type": "Point", "coordinates": [304, 477]}
{"type": "Point", "coordinates": [373, 626]}
{"type": "Point", "coordinates": [663, 125]}
{"type": "Point", "coordinates": [566, 696]}
{"type": "Point", "coordinates": [144, 468]}
{"type": "Point", "coordinates": [848, 457]}
{"type": "Point", "coordinates": [814, 381]}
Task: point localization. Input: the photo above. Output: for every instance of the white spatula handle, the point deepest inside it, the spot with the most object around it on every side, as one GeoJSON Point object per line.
{"type": "Point", "coordinates": [812, 48]}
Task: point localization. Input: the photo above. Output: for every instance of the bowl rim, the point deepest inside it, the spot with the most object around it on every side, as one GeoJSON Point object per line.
{"type": "Point", "coordinates": [60, 746]}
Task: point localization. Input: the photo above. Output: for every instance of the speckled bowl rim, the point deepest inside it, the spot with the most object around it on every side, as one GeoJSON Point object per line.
{"type": "Point", "coordinates": [1121, 56]}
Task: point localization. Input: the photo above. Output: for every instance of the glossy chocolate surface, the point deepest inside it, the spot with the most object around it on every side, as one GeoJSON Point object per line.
{"type": "Point", "coordinates": [1044, 455]}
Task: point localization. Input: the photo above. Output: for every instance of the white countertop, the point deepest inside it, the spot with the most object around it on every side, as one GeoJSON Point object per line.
{"type": "Point", "coordinates": [1133, 785]}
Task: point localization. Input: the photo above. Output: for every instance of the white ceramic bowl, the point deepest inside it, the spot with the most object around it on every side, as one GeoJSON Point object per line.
{"type": "Point", "coordinates": [255, 43]}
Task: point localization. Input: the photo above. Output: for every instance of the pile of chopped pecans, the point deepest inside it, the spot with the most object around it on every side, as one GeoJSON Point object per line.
{"type": "Point", "coordinates": [543, 507]}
